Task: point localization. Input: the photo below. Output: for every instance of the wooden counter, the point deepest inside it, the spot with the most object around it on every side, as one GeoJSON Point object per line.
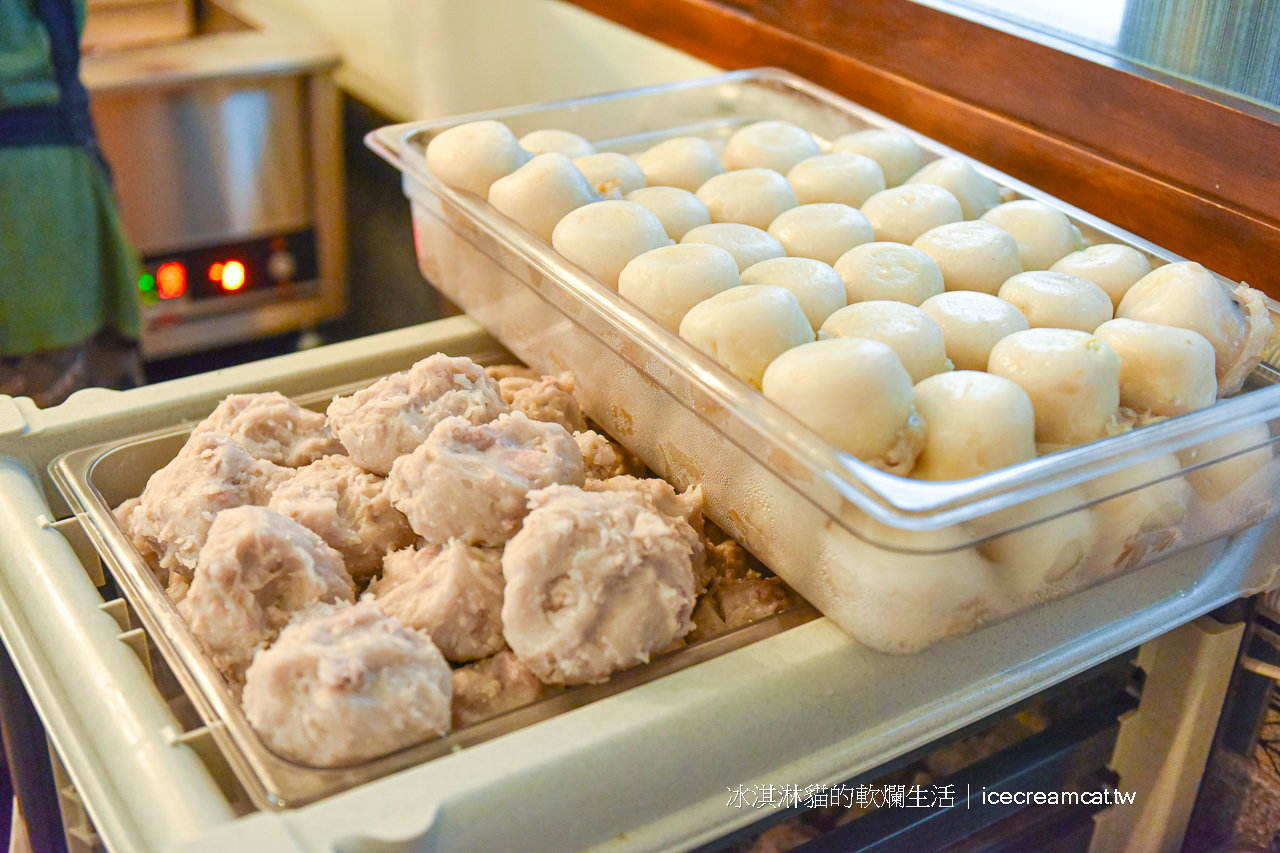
{"type": "Point", "coordinates": [1184, 166]}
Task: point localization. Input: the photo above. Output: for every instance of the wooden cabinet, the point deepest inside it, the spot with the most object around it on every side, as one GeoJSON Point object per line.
{"type": "Point", "coordinates": [1187, 167]}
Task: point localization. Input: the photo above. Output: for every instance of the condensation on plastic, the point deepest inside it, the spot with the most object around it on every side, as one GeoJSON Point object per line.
{"type": "Point", "coordinates": [898, 563]}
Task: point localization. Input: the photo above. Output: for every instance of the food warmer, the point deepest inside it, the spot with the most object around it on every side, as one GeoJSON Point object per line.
{"type": "Point", "coordinates": [226, 149]}
{"type": "Point", "coordinates": [648, 764]}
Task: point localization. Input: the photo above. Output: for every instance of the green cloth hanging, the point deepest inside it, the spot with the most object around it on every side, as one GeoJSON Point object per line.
{"type": "Point", "coordinates": [66, 268]}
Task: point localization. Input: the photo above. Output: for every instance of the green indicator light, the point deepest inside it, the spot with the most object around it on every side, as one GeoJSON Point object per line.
{"type": "Point", "coordinates": [147, 282]}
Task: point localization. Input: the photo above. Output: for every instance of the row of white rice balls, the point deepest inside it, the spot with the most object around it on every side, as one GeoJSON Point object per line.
{"type": "Point", "coordinates": [754, 264]}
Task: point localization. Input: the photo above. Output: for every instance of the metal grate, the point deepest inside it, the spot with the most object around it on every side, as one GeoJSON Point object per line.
{"type": "Point", "coordinates": [81, 835]}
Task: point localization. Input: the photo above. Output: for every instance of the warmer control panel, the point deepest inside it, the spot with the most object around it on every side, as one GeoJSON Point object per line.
{"type": "Point", "coordinates": [231, 269]}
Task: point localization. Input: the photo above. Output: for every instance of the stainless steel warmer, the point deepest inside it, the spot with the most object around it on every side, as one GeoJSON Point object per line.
{"type": "Point", "coordinates": [226, 148]}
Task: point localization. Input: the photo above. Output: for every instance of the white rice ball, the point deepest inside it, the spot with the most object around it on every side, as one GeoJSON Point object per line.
{"type": "Point", "coordinates": [1112, 266]}
{"type": "Point", "coordinates": [974, 422]}
{"type": "Point", "coordinates": [678, 210]}
{"type": "Point", "coordinates": [1045, 235]}
{"type": "Point", "coordinates": [612, 174]}
{"type": "Point", "coordinates": [541, 192]}
{"type": "Point", "coordinates": [774, 145]}
{"type": "Point", "coordinates": [556, 142]}
{"type": "Point", "coordinates": [748, 196]}
{"type": "Point", "coordinates": [745, 328]}
{"type": "Point", "coordinates": [605, 236]}
{"type": "Point", "coordinates": [747, 244]}
{"type": "Point", "coordinates": [972, 255]}
{"type": "Point", "coordinates": [897, 154]}
{"type": "Point", "coordinates": [853, 392]}
{"type": "Point", "coordinates": [1164, 370]}
{"type": "Point", "coordinates": [1072, 378]}
{"type": "Point", "coordinates": [845, 178]}
{"type": "Point", "coordinates": [899, 603]}
{"type": "Point", "coordinates": [914, 336]}
{"type": "Point", "coordinates": [972, 323]}
{"type": "Point", "coordinates": [1046, 552]}
{"type": "Point", "coordinates": [472, 156]}
{"type": "Point", "coordinates": [1055, 300]}
{"type": "Point", "coordinates": [666, 282]}
{"type": "Point", "coordinates": [816, 285]}
{"type": "Point", "coordinates": [1188, 296]}
{"type": "Point", "coordinates": [822, 231]}
{"type": "Point", "coordinates": [975, 191]}
{"type": "Point", "coordinates": [1142, 520]}
{"type": "Point", "coordinates": [901, 214]}
{"type": "Point", "coordinates": [686, 162]}
{"type": "Point", "coordinates": [883, 270]}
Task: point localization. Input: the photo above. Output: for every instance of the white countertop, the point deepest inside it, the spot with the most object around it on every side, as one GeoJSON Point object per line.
{"type": "Point", "coordinates": [272, 41]}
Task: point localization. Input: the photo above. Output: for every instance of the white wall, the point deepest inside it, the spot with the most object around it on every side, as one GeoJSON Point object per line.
{"type": "Point", "coordinates": [417, 59]}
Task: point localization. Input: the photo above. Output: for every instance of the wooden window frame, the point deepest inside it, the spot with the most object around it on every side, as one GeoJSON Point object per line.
{"type": "Point", "coordinates": [1188, 168]}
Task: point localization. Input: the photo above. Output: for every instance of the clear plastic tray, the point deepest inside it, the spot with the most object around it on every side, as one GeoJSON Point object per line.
{"type": "Point", "coordinates": [96, 478]}
{"type": "Point", "coordinates": [898, 563]}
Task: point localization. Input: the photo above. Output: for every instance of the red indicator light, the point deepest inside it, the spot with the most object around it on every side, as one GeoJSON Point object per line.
{"type": "Point", "coordinates": [171, 280]}
{"type": "Point", "coordinates": [215, 272]}
{"type": "Point", "coordinates": [233, 275]}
